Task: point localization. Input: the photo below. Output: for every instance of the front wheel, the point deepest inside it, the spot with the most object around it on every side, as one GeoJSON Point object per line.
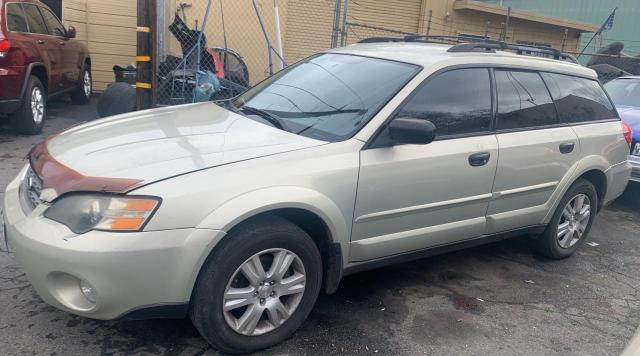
{"type": "Point", "coordinates": [257, 287]}
{"type": "Point", "coordinates": [571, 222]}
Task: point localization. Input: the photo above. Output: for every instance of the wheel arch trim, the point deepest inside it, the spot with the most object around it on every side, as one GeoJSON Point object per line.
{"type": "Point", "coordinates": [579, 169]}
{"type": "Point", "coordinates": [27, 75]}
{"type": "Point", "coordinates": [233, 212]}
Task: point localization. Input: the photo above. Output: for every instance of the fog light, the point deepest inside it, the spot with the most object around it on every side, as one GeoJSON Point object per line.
{"type": "Point", "coordinates": [88, 291]}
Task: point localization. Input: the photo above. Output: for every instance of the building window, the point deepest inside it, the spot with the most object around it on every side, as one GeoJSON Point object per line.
{"type": "Point", "coordinates": [55, 6]}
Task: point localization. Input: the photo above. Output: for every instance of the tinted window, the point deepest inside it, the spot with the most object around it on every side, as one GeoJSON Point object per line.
{"type": "Point", "coordinates": [15, 18]}
{"type": "Point", "coordinates": [329, 96]}
{"type": "Point", "coordinates": [36, 23]}
{"type": "Point", "coordinates": [579, 99]}
{"type": "Point", "coordinates": [523, 101]}
{"type": "Point", "coordinates": [624, 92]}
{"type": "Point", "coordinates": [456, 102]}
{"type": "Point", "coordinates": [53, 24]}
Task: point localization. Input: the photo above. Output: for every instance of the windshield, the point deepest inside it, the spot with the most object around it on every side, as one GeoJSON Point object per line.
{"type": "Point", "coordinates": [329, 96]}
{"type": "Point", "coordinates": [624, 92]}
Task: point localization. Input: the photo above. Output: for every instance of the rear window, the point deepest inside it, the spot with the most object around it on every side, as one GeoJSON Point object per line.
{"type": "Point", "coordinates": [15, 19]}
{"type": "Point", "coordinates": [579, 99]}
{"type": "Point", "coordinates": [523, 101]}
{"type": "Point", "coordinates": [624, 92]}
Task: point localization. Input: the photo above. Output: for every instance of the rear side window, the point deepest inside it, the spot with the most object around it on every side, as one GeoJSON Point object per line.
{"type": "Point", "coordinates": [579, 99]}
{"type": "Point", "coordinates": [457, 102]}
{"type": "Point", "coordinates": [15, 18]}
{"type": "Point", "coordinates": [523, 101]}
{"type": "Point", "coordinates": [36, 23]}
{"type": "Point", "coordinates": [53, 24]}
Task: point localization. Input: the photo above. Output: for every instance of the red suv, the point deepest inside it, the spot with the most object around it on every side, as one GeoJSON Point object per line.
{"type": "Point", "coordinates": [39, 59]}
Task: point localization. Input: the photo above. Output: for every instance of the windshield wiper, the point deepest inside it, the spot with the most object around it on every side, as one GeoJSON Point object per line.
{"type": "Point", "coordinates": [271, 118]}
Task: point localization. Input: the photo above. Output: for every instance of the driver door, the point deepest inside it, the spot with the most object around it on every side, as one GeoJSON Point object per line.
{"type": "Point", "coordinates": [69, 50]}
{"type": "Point", "coordinates": [412, 197]}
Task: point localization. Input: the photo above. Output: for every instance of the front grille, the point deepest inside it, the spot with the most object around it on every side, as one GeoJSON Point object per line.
{"type": "Point", "coordinates": [30, 189]}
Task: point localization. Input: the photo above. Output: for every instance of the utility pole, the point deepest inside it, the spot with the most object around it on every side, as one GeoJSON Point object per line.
{"type": "Point", "coordinates": [145, 54]}
{"type": "Point", "coordinates": [506, 24]}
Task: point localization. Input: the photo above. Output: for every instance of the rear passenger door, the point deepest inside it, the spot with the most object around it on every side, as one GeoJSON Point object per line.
{"type": "Point", "coordinates": [68, 51]}
{"type": "Point", "coordinates": [536, 151]}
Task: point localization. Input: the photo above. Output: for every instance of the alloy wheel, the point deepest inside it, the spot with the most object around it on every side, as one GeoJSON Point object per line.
{"type": "Point", "coordinates": [573, 221]}
{"type": "Point", "coordinates": [37, 105]}
{"type": "Point", "coordinates": [87, 83]}
{"type": "Point", "coordinates": [264, 292]}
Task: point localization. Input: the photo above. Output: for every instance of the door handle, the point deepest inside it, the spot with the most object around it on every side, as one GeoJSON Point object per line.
{"type": "Point", "coordinates": [40, 41]}
{"type": "Point", "coordinates": [479, 159]}
{"type": "Point", "coordinates": [567, 147]}
{"type": "Point", "coordinates": [61, 43]}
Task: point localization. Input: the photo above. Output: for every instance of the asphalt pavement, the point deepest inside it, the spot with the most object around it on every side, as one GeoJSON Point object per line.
{"type": "Point", "coordinates": [497, 299]}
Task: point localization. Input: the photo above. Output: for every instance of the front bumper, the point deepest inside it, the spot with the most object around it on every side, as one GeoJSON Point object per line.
{"type": "Point", "coordinates": [128, 271]}
{"type": "Point", "coordinates": [634, 161]}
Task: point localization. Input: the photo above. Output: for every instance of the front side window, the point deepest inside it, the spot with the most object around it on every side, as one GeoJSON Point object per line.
{"type": "Point", "coordinates": [523, 101]}
{"type": "Point", "coordinates": [34, 19]}
{"type": "Point", "coordinates": [624, 92]}
{"type": "Point", "coordinates": [579, 99]}
{"type": "Point", "coordinates": [329, 96]}
{"type": "Point", "coordinates": [15, 18]}
{"type": "Point", "coordinates": [457, 102]}
{"type": "Point", "coordinates": [53, 24]}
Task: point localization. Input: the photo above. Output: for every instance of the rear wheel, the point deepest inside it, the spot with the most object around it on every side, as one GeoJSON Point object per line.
{"type": "Point", "coordinates": [30, 117]}
{"type": "Point", "coordinates": [257, 287]}
{"type": "Point", "coordinates": [571, 222]}
{"type": "Point", "coordinates": [82, 93]}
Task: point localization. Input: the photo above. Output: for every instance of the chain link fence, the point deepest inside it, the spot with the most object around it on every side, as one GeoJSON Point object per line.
{"type": "Point", "coordinates": [216, 49]}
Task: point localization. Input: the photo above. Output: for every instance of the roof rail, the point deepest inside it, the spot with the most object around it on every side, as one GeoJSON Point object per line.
{"type": "Point", "coordinates": [492, 45]}
{"type": "Point", "coordinates": [463, 43]}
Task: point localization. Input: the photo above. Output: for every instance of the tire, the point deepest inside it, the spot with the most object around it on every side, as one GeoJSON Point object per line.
{"type": "Point", "coordinates": [553, 246]}
{"type": "Point", "coordinates": [119, 98]}
{"type": "Point", "coordinates": [273, 235]}
{"type": "Point", "coordinates": [82, 94]}
{"type": "Point", "coordinates": [29, 120]}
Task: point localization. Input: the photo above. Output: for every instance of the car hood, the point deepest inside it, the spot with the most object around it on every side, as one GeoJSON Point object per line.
{"type": "Point", "coordinates": [631, 115]}
{"type": "Point", "coordinates": [126, 151]}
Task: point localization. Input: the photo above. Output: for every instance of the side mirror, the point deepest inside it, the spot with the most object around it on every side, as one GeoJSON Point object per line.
{"type": "Point", "coordinates": [405, 130]}
{"type": "Point", "coordinates": [71, 32]}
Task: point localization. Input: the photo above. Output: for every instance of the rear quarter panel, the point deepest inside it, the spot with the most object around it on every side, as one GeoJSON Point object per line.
{"type": "Point", "coordinates": [604, 147]}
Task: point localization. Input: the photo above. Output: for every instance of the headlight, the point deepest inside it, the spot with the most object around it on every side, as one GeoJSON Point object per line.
{"type": "Point", "coordinates": [85, 212]}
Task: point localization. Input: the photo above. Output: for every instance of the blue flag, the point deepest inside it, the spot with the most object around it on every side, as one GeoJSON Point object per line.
{"type": "Point", "coordinates": [607, 25]}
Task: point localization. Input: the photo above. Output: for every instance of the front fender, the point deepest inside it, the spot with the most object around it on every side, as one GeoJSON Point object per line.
{"type": "Point", "coordinates": [238, 209]}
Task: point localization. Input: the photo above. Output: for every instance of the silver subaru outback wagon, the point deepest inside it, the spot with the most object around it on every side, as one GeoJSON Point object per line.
{"type": "Point", "coordinates": [239, 214]}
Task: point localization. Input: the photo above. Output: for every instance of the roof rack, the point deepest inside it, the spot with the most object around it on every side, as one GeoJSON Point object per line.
{"type": "Point", "coordinates": [463, 43]}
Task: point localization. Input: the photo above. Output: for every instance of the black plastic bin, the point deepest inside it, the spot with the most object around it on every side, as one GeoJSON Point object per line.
{"type": "Point", "coordinates": [125, 75]}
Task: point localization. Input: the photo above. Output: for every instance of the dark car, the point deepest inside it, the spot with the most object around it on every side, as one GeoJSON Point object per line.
{"type": "Point", "coordinates": [39, 59]}
{"type": "Point", "coordinates": [625, 94]}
